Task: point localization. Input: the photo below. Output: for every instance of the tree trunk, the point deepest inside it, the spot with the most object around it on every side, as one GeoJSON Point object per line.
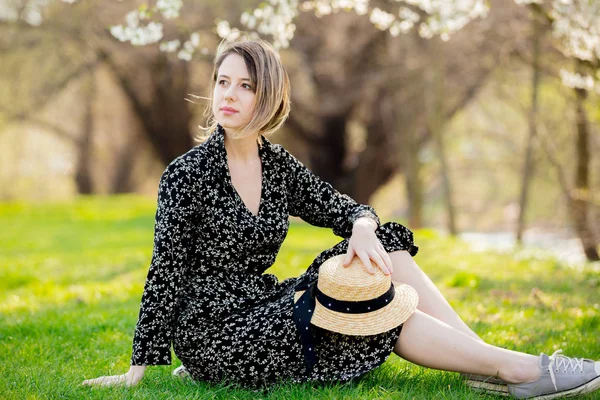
{"type": "Point", "coordinates": [414, 186]}
{"type": "Point", "coordinates": [165, 116]}
{"type": "Point", "coordinates": [121, 182]}
{"type": "Point", "coordinates": [168, 119]}
{"type": "Point", "coordinates": [327, 158]}
{"type": "Point", "coordinates": [528, 166]}
{"type": "Point", "coordinates": [83, 169]}
{"type": "Point", "coordinates": [580, 197]}
{"type": "Point", "coordinates": [434, 95]}
{"type": "Point", "coordinates": [378, 161]}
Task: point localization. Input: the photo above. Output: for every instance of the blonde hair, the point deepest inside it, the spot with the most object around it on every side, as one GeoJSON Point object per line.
{"type": "Point", "coordinates": [271, 85]}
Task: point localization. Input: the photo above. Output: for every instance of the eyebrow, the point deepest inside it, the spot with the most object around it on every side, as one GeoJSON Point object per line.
{"type": "Point", "coordinates": [225, 76]}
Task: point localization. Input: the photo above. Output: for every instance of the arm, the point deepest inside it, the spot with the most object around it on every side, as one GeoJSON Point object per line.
{"type": "Point", "coordinates": [319, 204]}
{"type": "Point", "coordinates": [177, 206]}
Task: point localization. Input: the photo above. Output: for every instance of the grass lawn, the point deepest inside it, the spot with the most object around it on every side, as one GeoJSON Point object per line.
{"type": "Point", "coordinates": [72, 274]}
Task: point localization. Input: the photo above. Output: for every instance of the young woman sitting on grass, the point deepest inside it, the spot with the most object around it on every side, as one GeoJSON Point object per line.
{"type": "Point", "coordinates": [223, 213]}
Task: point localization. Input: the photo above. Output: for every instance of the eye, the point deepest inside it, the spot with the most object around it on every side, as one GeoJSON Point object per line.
{"type": "Point", "coordinates": [222, 82]}
{"type": "Point", "coordinates": [247, 86]}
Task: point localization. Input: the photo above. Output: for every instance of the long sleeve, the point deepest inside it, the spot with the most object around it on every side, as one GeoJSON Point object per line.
{"type": "Point", "coordinates": [177, 208]}
{"type": "Point", "coordinates": [318, 203]}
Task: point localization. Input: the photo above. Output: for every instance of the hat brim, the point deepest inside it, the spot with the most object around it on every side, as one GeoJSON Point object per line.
{"type": "Point", "coordinates": [402, 306]}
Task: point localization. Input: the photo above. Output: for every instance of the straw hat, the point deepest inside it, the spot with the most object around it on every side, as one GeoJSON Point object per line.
{"type": "Point", "coordinates": [350, 292]}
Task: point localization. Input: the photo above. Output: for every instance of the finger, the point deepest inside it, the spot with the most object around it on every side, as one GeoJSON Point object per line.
{"type": "Point", "coordinates": [385, 256]}
{"type": "Point", "coordinates": [387, 260]}
{"type": "Point", "coordinates": [366, 262]}
{"type": "Point", "coordinates": [105, 380]}
{"type": "Point", "coordinates": [114, 380]}
{"type": "Point", "coordinates": [349, 256]}
{"type": "Point", "coordinates": [94, 381]}
{"type": "Point", "coordinates": [379, 262]}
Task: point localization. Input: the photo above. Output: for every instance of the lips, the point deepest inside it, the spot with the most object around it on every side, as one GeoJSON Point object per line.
{"type": "Point", "coordinates": [228, 110]}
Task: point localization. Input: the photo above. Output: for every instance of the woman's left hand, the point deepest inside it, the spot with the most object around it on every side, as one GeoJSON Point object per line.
{"type": "Point", "coordinates": [365, 244]}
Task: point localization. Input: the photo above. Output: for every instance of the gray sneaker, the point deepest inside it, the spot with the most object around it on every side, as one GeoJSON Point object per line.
{"type": "Point", "coordinates": [560, 377]}
{"type": "Point", "coordinates": [181, 372]}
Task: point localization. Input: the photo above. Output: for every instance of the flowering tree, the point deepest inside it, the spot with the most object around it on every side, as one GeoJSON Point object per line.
{"type": "Point", "coordinates": [575, 23]}
{"type": "Point", "coordinates": [275, 18]}
{"type": "Point", "coordinates": [166, 24]}
{"type": "Point", "coordinates": [576, 28]}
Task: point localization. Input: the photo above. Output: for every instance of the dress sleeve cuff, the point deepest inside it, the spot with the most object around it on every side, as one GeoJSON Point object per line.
{"type": "Point", "coordinates": [151, 357]}
{"type": "Point", "coordinates": [365, 214]}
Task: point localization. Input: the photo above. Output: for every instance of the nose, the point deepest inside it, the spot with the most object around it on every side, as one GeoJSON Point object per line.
{"type": "Point", "coordinates": [229, 93]}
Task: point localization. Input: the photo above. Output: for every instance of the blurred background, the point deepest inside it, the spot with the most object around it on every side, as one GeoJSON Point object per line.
{"type": "Point", "coordinates": [487, 129]}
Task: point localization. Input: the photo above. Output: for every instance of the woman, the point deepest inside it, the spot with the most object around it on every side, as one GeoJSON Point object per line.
{"type": "Point", "coordinates": [222, 215]}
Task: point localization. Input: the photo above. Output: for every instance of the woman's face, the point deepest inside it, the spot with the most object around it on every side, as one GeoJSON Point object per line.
{"type": "Point", "coordinates": [233, 97]}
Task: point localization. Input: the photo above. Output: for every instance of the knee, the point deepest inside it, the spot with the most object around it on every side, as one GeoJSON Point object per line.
{"type": "Point", "coordinates": [402, 261]}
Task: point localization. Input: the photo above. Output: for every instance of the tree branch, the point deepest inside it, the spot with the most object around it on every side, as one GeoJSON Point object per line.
{"type": "Point", "coordinates": [140, 109]}
{"type": "Point", "coordinates": [60, 132]}
{"type": "Point", "coordinates": [54, 90]}
{"type": "Point", "coordinates": [470, 94]}
{"type": "Point", "coordinates": [539, 10]}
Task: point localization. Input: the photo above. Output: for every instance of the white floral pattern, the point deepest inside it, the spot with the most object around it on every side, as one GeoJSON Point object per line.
{"type": "Point", "coordinates": [206, 292]}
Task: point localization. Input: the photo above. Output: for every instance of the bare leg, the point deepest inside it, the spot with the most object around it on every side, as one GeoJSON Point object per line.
{"type": "Point", "coordinates": [431, 300]}
{"type": "Point", "coordinates": [431, 343]}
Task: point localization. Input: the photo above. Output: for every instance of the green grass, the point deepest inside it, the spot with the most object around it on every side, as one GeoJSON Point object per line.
{"type": "Point", "coordinates": [72, 274]}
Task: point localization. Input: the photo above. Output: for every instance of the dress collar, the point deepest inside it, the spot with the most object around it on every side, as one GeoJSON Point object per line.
{"type": "Point", "coordinates": [216, 147]}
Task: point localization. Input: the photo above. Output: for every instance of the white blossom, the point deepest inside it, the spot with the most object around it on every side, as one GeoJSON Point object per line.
{"type": "Point", "coordinates": [138, 35]}
{"type": "Point", "coordinates": [133, 19]}
{"type": "Point", "coordinates": [525, 2]}
{"type": "Point", "coordinates": [170, 46]}
{"type": "Point", "coordinates": [225, 31]}
{"type": "Point", "coordinates": [275, 19]}
{"type": "Point", "coordinates": [577, 26]}
{"type": "Point", "coordinates": [425, 31]}
{"type": "Point", "coordinates": [249, 20]}
{"type": "Point", "coordinates": [381, 19]}
{"type": "Point", "coordinates": [29, 11]}
{"type": "Point", "coordinates": [575, 80]}
{"type": "Point", "coordinates": [361, 7]}
{"type": "Point", "coordinates": [244, 17]}
{"type": "Point", "coordinates": [8, 13]}
{"type": "Point", "coordinates": [408, 15]}
{"type": "Point", "coordinates": [447, 17]}
{"type": "Point", "coordinates": [184, 55]}
{"type": "Point", "coordinates": [444, 17]}
{"type": "Point", "coordinates": [326, 7]}
{"type": "Point", "coordinates": [186, 50]}
{"type": "Point", "coordinates": [32, 15]}
{"type": "Point", "coordinates": [576, 23]}
{"type": "Point", "coordinates": [169, 9]}
{"type": "Point", "coordinates": [323, 8]}
{"type": "Point", "coordinates": [195, 39]}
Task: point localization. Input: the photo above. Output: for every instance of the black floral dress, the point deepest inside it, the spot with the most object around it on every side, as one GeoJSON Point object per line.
{"type": "Point", "coordinates": [206, 293]}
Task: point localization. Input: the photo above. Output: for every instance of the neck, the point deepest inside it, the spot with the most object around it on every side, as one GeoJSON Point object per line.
{"type": "Point", "coordinates": [241, 149]}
